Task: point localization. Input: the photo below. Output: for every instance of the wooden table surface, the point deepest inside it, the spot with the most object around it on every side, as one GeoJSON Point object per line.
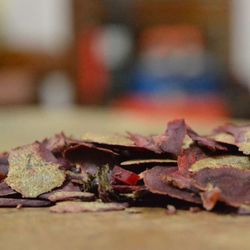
{"type": "Point", "coordinates": [36, 228]}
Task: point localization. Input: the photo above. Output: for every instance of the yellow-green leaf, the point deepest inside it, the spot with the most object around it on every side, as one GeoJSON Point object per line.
{"type": "Point", "coordinates": [115, 139]}
{"type": "Point", "coordinates": [240, 162]}
{"type": "Point", "coordinates": [147, 161]}
{"type": "Point", "coordinates": [33, 171]}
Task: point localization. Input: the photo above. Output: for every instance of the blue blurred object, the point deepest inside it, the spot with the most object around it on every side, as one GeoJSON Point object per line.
{"type": "Point", "coordinates": [174, 61]}
{"type": "Point", "coordinates": [147, 83]}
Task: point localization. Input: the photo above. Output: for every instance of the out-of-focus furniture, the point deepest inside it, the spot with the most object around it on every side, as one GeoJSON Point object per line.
{"type": "Point", "coordinates": [22, 72]}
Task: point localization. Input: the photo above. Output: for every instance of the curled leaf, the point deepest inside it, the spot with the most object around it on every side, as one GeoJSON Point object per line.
{"type": "Point", "coordinates": [169, 142]}
{"type": "Point", "coordinates": [85, 152]}
{"type": "Point", "coordinates": [175, 134]}
{"type": "Point", "coordinates": [241, 136]}
{"type": "Point", "coordinates": [56, 144]}
{"type": "Point", "coordinates": [206, 142]}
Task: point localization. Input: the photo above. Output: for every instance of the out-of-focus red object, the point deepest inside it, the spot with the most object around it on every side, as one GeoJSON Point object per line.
{"type": "Point", "coordinates": [197, 108]}
{"type": "Point", "coordinates": [92, 75]}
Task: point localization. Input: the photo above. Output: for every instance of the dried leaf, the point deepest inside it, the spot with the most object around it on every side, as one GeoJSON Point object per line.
{"type": "Point", "coordinates": [206, 141]}
{"type": "Point", "coordinates": [234, 161]}
{"type": "Point", "coordinates": [147, 142]}
{"type": "Point", "coordinates": [244, 142]}
{"type": "Point", "coordinates": [114, 140]}
{"type": "Point", "coordinates": [67, 187]}
{"type": "Point", "coordinates": [105, 189]}
{"type": "Point", "coordinates": [244, 210]}
{"type": "Point", "coordinates": [120, 145]}
{"type": "Point", "coordinates": [67, 196]}
{"type": "Point", "coordinates": [125, 176]}
{"type": "Point", "coordinates": [174, 137]}
{"type": "Point", "coordinates": [127, 189]}
{"type": "Point", "coordinates": [241, 136]}
{"type": "Point", "coordinates": [189, 157]}
{"type": "Point", "coordinates": [33, 170]}
{"type": "Point", "coordinates": [233, 184]}
{"type": "Point", "coordinates": [194, 209]}
{"type": "Point", "coordinates": [84, 152]}
{"type": "Point", "coordinates": [13, 202]}
{"type": "Point", "coordinates": [154, 180]}
{"type": "Point", "coordinates": [78, 207]}
{"type": "Point", "coordinates": [169, 142]}
{"type": "Point", "coordinates": [4, 165]}
{"type": "Point", "coordinates": [210, 198]}
{"type": "Point", "coordinates": [223, 137]}
{"type": "Point", "coordinates": [177, 179]}
{"type": "Point", "coordinates": [56, 144]}
{"type": "Point", "coordinates": [147, 162]}
{"type": "Point", "coordinates": [6, 190]}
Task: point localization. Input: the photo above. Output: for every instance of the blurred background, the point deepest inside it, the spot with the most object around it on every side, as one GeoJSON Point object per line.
{"type": "Point", "coordinates": [177, 58]}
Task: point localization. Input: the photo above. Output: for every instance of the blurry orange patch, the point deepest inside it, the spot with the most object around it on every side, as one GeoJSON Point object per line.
{"type": "Point", "coordinates": [16, 86]}
{"type": "Point", "coordinates": [201, 109]}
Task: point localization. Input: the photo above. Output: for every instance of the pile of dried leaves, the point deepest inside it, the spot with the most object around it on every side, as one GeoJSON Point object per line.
{"type": "Point", "coordinates": [178, 169]}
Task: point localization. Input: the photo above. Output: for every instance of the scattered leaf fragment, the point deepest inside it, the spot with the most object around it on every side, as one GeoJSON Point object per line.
{"type": "Point", "coordinates": [171, 210]}
{"type": "Point", "coordinates": [66, 196]}
{"type": "Point", "coordinates": [78, 207]}
{"type": "Point", "coordinates": [14, 202]}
